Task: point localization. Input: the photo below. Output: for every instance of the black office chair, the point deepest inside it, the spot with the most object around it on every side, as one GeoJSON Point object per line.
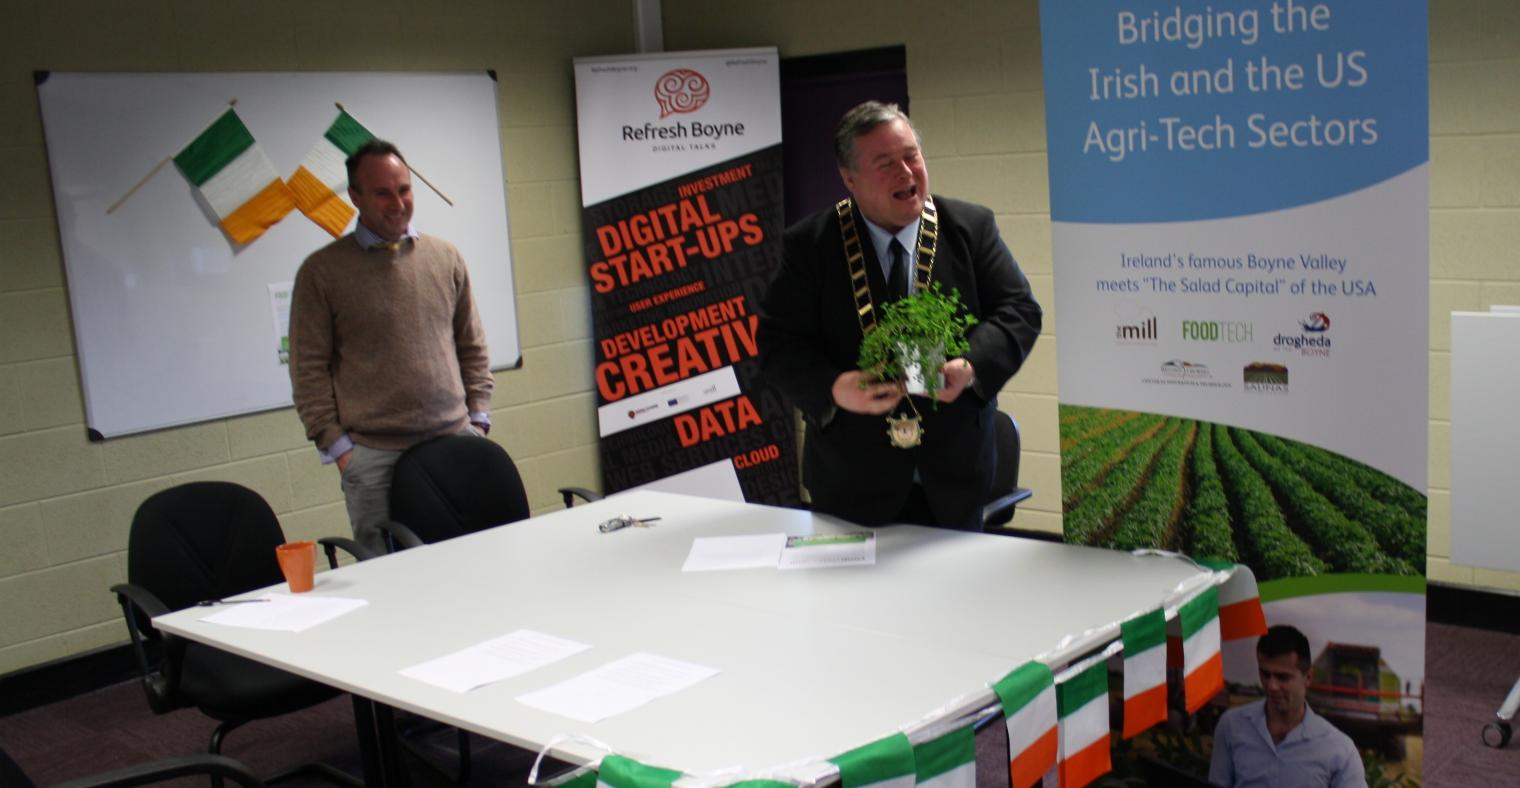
{"type": "Point", "coordinates": [1006, 492]}
{"type": "Point", "coordinates": [446, 487]}
{"type": "Point", "coordinates": [199, 541]}
{"type": "Point", "coordinates": [216, 766]}
{"type": "Point", "coordinates": [451, 486]}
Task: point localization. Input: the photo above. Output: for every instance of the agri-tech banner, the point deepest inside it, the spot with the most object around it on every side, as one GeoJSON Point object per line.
{"type": "Point", "coordinates": [681, 187]}
{"type": "Point", "coordinates": [1239, 201]}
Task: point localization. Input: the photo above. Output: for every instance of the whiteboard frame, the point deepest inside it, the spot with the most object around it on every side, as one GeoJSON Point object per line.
{"type": "Point", "coordinates": [173, 324]}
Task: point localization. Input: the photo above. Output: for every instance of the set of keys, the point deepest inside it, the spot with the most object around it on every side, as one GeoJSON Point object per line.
{"type": "Point", "coordinates": [623, 521]}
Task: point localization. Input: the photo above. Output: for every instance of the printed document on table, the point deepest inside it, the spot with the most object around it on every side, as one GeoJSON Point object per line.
{"type": "Point", "coordinates": [823, 551]}
{"type": "Point", "coordinates": [285, 613]}
{"type": "Point", "coordinates": [494, 660]}
{"type": "Point", "coordinates": [710, 553]}
{"type": "Point", "coordinates": [617, 687]}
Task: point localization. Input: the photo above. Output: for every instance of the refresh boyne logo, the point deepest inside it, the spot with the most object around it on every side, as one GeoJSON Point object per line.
{"type": "Point", "coordinates": [681, 91]}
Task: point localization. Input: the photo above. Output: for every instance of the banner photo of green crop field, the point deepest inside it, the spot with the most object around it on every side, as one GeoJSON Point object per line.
{"type": "Point", "coordinates": [1240, 238]}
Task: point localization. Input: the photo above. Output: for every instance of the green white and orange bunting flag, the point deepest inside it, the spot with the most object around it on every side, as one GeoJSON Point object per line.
{"type": "Point", "coordinates": [1028, 697]}
{"type": "Point", "coordinates": [1083, 702]}
{"type": "Point", "coordinates": [887, 763]}
{"type": "Point", "coordinates": [235, 178]}
{"type": "Point", "coordinates": [586, 779]}
{"type": "Point", "coordinates": [1240, 613]}
{"type": "Point", "coordinates": [1144, 638]}
{"type": "Point", "coordinates": [617, 771]}
{"type": "Point", "coordinates": [321, 179]}
{"type": "Point", "coordinates": [948, 761]}
{"type": "Point", "coordinates": [1197, 627]}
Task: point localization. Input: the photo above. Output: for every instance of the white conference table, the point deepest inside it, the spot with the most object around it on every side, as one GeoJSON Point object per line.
{"type": "Point", "coordinates": [813, 662]}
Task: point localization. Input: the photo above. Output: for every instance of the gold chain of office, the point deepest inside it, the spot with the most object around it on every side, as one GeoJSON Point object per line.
{"type": "Point", "coordinates": [905, 431]}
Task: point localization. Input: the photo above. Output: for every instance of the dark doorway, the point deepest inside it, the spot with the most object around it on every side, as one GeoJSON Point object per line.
{"type": "Point", "coordinates": [815, 91]}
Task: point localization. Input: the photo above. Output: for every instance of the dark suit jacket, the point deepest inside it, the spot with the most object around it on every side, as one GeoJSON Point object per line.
{"type": "Point", "coordinates": [809, 334]}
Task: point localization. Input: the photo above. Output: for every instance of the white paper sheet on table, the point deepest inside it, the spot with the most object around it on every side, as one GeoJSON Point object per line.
{"type": "Point", "coordinates": [494, 660]}
{"type": "Point", "coordinates": [617, 687]}
{"type": "Point", "coordinates": [713, 553]}
{"type": "Point", "coordinates": [284, 612]}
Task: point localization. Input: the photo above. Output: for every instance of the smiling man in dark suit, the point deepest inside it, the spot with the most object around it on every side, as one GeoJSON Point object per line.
{"type": "Point", "coordinates": [812, 322]}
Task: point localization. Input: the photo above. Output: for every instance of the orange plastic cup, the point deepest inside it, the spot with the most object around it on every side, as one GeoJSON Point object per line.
{"type": "Point", "coordinates": [298, 560]}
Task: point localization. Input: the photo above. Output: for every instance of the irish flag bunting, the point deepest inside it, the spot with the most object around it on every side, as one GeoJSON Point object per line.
{"type": "Point", "coordinates": [320, 180]}
{"type": "Point", "coordinates": [235, 178]}
{"type": "Point", "coordinates": [617, 771]}
{"type": "Point", "coordinates": [1202, 665]}
{"type": "Point", "coordinates": [1144, 639]}
{"type": "Point", "coordinates": [1028, 696]}
{"type": "Point", "coordinates": [1240, 613]}
{"type": "Point", "coordinates": [887, 763]}
{"type": "Point", "coordinates": [1083, 702]}
{"type": "Point", "coordinates": [948, 761]}
{"type": "Point", "coordinates": [586, 779]}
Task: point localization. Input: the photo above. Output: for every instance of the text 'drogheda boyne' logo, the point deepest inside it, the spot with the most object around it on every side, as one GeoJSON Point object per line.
{"type": "Point", "coordinates": [681, 90]}
{"type": "Point", "coordinates": [1312, 340]}
{"type": "Point", "coordinates": [1265, 377]}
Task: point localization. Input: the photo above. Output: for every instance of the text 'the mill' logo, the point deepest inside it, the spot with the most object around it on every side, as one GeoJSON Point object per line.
{"type": "Point", "coordinates": [680, 90]}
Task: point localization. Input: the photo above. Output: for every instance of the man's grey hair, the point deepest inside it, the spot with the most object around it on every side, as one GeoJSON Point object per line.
{"type": "Point", "coordinates": [861, 120]}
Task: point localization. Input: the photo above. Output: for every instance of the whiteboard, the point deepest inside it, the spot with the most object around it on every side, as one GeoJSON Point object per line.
{"type": "Point", "coordinates": [172, 323]}
{"type": "Point", "coordinates": [1485, 440]}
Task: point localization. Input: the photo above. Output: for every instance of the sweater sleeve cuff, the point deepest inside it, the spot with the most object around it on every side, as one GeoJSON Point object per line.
{"type": "Point", "coordinates": [338, 448]}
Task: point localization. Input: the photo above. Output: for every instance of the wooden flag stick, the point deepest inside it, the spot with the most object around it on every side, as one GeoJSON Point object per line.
{"type": "Point", "coordinates": [419, 175]}
{"type": "Point", "coordinates": [150, 175]}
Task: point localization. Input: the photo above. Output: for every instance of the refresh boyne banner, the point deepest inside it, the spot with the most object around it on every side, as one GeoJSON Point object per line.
{"type": "Point", "coordinates": [1239, 206]}
{"type": "Point", "coordinates": [681, 186]}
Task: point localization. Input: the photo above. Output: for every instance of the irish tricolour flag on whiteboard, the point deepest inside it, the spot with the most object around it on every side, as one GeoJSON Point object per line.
{"type": "Point", "coordinates": [320, 180]}
{"type": "Point", "coordinates": [887, 763]}
{"type": "Point", "coordinates": [1028, 697]}
{"type": "Point", "coordinates": [1144, 638]}
{"type": "Point", "coordinates": [1083, 701]}
{"type": "Point", "coordinates": [235, 178]}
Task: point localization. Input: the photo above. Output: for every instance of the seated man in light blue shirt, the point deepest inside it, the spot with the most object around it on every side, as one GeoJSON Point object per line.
{"type": "Point", "coordinates": [1280, 741]}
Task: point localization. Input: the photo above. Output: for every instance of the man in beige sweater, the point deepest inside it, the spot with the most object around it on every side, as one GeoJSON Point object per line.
{"type": "Point", "coordinates": [386, 348]}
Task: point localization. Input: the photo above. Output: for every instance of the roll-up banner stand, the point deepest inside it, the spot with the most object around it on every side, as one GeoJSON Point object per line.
{"type": "Point", "coordinates": [681, 189]}
{"type": "Point", "coordinates": [1240, 211]}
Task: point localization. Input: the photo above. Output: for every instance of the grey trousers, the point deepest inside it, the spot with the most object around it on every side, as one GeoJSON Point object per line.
{"type": "Point", "coordinates": [367, 491]}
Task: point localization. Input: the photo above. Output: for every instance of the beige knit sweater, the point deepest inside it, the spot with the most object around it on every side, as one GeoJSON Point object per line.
{"type": "Point", "coordinates": [386, 345]}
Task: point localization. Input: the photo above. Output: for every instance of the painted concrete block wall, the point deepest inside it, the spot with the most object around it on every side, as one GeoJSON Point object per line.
{"type": "Point", "coordinates": [65, 503]}
{"type": "Point", "coordinates": [975, 83]}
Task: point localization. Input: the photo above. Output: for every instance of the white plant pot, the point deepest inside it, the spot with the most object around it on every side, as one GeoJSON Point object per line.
{"type": "Point", "coordinates": [914, 376]}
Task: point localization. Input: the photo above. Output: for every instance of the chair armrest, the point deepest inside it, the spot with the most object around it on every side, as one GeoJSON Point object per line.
{"type": "Point", "coordinates": [1019, 495]}
{"type": "Point", "coordinates": [331, 545]}
{"type": "Point", "coordinates": [140, 598]}
{"type": "Point", "coordinates": [159, 673]}
{"type": "Point", "coordinates": [169, 768]}
{"type": "Point", "coordinates": [993, 513]}
{"type": "Point", "coordinates": [404, 537]}
{"type": "Point", "coordinates": [571, 493]}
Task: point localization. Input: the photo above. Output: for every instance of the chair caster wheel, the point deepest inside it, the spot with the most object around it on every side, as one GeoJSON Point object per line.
{"type": "Point", "coordinates": [1496, 734]}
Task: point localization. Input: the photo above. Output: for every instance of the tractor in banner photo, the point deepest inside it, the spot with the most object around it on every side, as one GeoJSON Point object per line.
{"type": "Point", "coordinates": [1355, 690]}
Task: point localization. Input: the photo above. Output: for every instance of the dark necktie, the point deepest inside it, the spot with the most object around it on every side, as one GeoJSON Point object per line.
{"type": "Point", "coordinates": [897, 282]}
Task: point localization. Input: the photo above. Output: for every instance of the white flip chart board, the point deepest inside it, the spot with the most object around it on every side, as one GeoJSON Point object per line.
{"type": "Point", "coordinates": [1485, 439]}
{"type": "Point", "coordinates": [174, 323]}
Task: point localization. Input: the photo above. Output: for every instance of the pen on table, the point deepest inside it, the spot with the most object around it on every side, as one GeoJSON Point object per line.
{"type": "Point", "coordinates": [623, 522]}
{"type": "Point", "coordinates": [211, 602]}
